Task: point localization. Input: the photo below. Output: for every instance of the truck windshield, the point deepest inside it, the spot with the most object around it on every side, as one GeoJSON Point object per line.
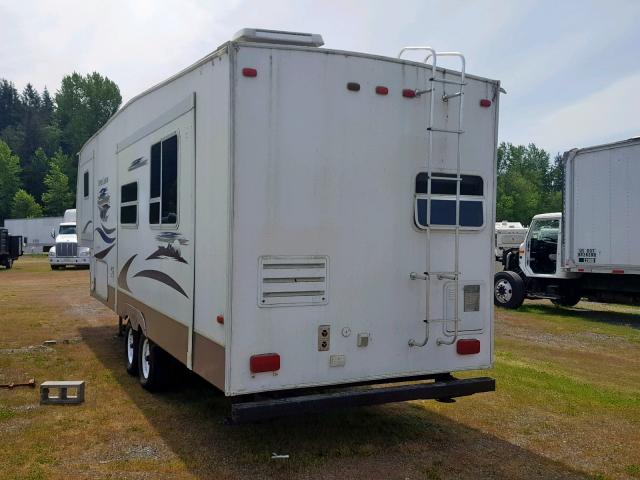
{"type": "Point", "coordinates": [543, 245]}
{"type": "Point", "coordinates": [67, 230]}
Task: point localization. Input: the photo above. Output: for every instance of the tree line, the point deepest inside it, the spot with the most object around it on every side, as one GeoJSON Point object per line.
{"type": "Point", "coordinates": [40, 136]}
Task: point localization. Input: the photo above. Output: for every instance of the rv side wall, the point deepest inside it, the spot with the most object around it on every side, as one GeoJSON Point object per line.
{"type": "Point", "coordinates": [147, 229]}
{"type": "Point", "coordinates": [323, 228]}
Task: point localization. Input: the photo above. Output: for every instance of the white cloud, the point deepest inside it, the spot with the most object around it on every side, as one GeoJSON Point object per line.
{"type": "Point", "coordinates": [605, 115]}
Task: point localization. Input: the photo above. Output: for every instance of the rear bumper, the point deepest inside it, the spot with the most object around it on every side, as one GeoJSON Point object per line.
{"type": "Point", "coordinates": [252, 410]}
{"type": "Point", "coordinates": [69, 260]}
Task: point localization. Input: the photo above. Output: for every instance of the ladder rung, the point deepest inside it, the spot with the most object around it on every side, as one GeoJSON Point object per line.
{"type": "Point", "coordinates": [447, 82]}
{"type": "Point", "coordinates": [459, 132]}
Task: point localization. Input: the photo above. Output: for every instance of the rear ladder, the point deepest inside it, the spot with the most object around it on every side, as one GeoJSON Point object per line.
{"type": "Point", "coordinates": [431, 130]}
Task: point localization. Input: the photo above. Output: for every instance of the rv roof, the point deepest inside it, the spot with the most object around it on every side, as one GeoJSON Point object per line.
{"type": "Point", "coordinates": [259, 35]}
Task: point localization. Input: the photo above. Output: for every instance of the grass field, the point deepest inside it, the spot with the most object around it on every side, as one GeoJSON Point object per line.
{"type": "Point", "coordinates": [567, 404]}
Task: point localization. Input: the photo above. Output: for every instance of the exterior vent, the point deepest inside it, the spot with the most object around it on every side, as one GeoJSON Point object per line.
{"type": "Point", "coordinates": [258, 35]}
{"type": "Point", "coordinates": [293, 281]}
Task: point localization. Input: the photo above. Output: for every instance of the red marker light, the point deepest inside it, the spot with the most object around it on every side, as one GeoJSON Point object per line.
{"type": "Point", "coordinates": [249, 72]}
{"type": "Point", "coordinates": [220, 319]}
{"type": "Point", "coordinates": [382, 90]}
{"type": "Point", "coordinates": [485, 102]}
{"type": "Point", "coordinates": [408, 93]}
{"type": "Point", "coordinates": [265, 362]}
{"type": "Point", "coordinates": [617, 270]}
{"type": "Point", "coordinates": [468, 346]}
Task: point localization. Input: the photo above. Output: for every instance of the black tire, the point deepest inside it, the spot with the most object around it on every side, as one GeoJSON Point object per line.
{"type": "Point", "coordinates": [9, 263]}
{"type": "Point", "coordinates": [54, 267]}
{"type": "Point", "coordinates": [567, 300]}
{"type": "Point", "coordinates": [508, 290]}
{"type": "Point", "coordinates": [152, 370]}
{"type": "Point", "coordinates": [131, 347]}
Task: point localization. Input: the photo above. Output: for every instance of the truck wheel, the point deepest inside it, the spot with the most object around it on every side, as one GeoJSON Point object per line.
{"type": "Point", "coordinates": [54, 267]}
{"type": "Point", "coordinates": [9, 263]}
{"type": "Point", "coordinates": [508, 290]}
{"type": "Point", "coordinates": [131, 346]}
{"type": "Point", "coordinates": [151, 365]}
{"type": "Point", "coordinates": [568, 300]}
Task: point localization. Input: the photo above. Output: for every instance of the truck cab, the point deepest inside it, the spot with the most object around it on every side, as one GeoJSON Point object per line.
{"type": "Point", "coordinates": [66, 251]}
{"type": "Point", "coordinates": [536, 272]}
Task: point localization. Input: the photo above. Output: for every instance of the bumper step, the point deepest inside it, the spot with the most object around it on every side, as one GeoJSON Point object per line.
{"type": "Point", "coordinates": [249, 411]}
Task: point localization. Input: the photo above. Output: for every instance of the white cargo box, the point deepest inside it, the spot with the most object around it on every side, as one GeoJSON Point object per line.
{"type": "Point", "coordinates": [602, 208]}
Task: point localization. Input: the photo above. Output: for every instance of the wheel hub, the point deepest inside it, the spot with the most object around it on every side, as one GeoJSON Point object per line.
{"type": "Point", "coordinates": [503, 291]}
{"type": "Point", "coordinates": [130, 345]}
{"type": "Point", "coordinates": [145, 358]}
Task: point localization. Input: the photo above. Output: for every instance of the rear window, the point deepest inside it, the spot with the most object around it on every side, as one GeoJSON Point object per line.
{"type": "Point", "coordinates": [436, 204]}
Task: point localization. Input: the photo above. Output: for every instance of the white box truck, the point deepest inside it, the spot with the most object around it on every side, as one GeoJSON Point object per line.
{"type": "Point", "coordinates": [589, 250]}
{"type": "Point", "coordinates": [66, 251]}
{"type": "Point", "coordinates": [282, 218]}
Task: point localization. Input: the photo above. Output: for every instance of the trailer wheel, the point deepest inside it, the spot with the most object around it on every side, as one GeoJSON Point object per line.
{"type": "Point", "coordinates": [131, 346]}
{"type": "Point", "coordinates": [151, 365]}
{"type": "Point", "coordinates": [508, 290]}
{"type": "Point", "coordinates": [568, 300]}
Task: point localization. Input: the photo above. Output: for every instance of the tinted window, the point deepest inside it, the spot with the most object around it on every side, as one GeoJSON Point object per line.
{"type": "Point", "coordinates": [154, 213]}
{"type": "Point", "coordinates": [129, 192]}
{"type": "Point", "coordinates": [443, 212]}
{"type": "Point", "coordinates": [170, 180]}
{"type": "Point", "coordinates": [155, 171]}
{"type": "Point", "coordinates": [422, 211]}
{"type": "Point", "coordinates": [441, 186]}
{"type": "Point", "coordinates": [85, 183]}
{"type": "Point", "coordinates": [67, 230]}
{"type": "Point", "coordinates": [471, 185]}
{"type": "Point", "coordinates": [129, 214]}
{"type": "Point", "coordinates": [421, 182]}
{"type": "Point", "coordinates": [471, 214]}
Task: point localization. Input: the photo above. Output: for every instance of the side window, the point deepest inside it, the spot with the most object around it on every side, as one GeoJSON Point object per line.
{"type": "Point", "coordinates": [129, 204]}
{"type": "Point", "coordinates": [163, 199]}
{"type": "Point", "coordinates": [85, 184]}
{"type": "Point", "coordinates": [436, 201]}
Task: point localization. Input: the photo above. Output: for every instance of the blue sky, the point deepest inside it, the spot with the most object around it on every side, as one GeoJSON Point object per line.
{"type": "Point", "coordinates": [571, 68]}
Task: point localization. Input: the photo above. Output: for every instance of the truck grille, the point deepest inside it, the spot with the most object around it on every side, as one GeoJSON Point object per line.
{"type": "Point", "coordinates": [69, 249]}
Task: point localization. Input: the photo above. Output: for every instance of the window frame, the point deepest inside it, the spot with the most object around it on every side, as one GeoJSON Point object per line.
{"type": "Point", "coordinates": [438, 196]}
{"type": "Point", "coordinates": [131, 203]}
{"type": "Point", "coordinates": [158, 199]}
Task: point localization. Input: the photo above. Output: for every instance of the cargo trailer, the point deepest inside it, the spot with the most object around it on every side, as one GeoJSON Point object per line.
{"type": "Point", "coordinates": [293, 221]}
{"type": "Point", "coordinates": [589, 250]}
{"type": "Point", "coordinates": [10, 248]}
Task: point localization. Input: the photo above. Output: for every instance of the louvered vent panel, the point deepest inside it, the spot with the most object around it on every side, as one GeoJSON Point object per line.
{"type": "Point", "coordinates": [293, 280]}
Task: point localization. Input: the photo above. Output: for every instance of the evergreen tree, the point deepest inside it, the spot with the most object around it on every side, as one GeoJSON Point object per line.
{"type": "Point", "coordinates": [9, 179]}
{"type": "Point", "coordinates": [33, 173]}
{"type": "Point", "coordinates": [58, 196]}
{"type": "Point", "coordinates": [25, 206]}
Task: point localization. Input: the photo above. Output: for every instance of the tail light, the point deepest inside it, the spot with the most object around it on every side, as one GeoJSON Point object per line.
{"type": "Point", "coordinates": [468, 346]}
{"type": "Point", "coordinates": [380, 90]}
{"type": "Point", "coordinates": [408, 93]}
{"type": "Point", "coordinates": [485, 102]}
{"type": "Point", "coordinates": [264, 362]}
{"type": "Point", "coordinates": [249, 72]}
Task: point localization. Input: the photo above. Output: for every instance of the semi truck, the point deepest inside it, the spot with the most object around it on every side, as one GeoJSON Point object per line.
{"type": "Point", "coordinates": [290, 222]}
{"type": "Point", "coordinates": [589, 250]}
{"type": "Point", "coordinates": [10, 248]}
{"type": "Point", "coordinates": [66, 251]}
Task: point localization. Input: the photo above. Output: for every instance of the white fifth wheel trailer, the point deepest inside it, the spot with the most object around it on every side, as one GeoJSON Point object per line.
{"type": "Point", "coordinates": [589, 250]}
{"type": "Point", "coordinates": [281, 217]}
